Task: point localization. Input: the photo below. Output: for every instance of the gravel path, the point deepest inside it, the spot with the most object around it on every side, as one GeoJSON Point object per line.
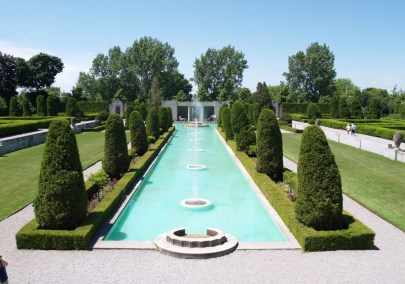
{"type": "Point", "coordinates": [385, 264]}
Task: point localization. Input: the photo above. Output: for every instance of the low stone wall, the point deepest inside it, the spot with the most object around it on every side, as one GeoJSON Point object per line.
{"type": "Point", "coordinates": [18, 142]}
{"type": "Point", "coordinates": [380, 148]}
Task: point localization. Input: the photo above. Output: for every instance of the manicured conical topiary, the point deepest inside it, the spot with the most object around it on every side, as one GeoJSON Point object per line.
{"type": "Point", "coordinates": [256, 113]}
{"type": "Point", "coordinates": [143, 109]}
{"type": "Point", "coordinates": [313, 112]}
{"type": "Point", "coordinates": [73, 109]}
{"type": "Point", "coordinates": [41, 105]}
{"type": "Point", "coordinates": [169, 116]}
{"type": "Point", "coordinates": [162, 118]}
{"type": "Point", "coordinates": [319, 200]}
{"type": "Point", "coordinates": [26, 108]}
{"type": "Point", "coordinates": [239, 118]}
{"type": "Point", "coordinates": [116, 160]}
{"type": "Point", "coordinates": [269, 146]}
{"type": "Point", "coordinates": [226, 123]}
{"type": "Point", "coordinates": [61, 202]}
{"type": "Point", "coordinates": [246, 138]}
{"type": "Point", "coordinates": [128, 112]}
{"type": "Point", "coordinates": [14, 107]}
{"type": "Point", "coordinates": [220, 114]}
{"type": "Point", "coordinates": [139, 140]}
{"type": "Point", "coordinates": [152, 123]}
{"type": "Point", "coordinates": [51, 106]}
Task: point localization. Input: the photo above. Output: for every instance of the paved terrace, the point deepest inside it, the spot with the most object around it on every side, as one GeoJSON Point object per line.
{"type": "Point", "coordinates": [385, 264]}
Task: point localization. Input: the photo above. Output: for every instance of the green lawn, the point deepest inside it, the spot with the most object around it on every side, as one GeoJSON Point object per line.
{"type": "Point", "coordinates": [372, 180]}
{"type": "Point", "coordinates": [19, 170]}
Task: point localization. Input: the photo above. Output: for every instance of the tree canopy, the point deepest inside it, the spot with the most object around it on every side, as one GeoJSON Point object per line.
{"type": "Point", "coordinates": [218, 70]}
{"type": "Point", "coordinates": [130, 73]}
{"type": "Point", "coordinates": [311, 74]}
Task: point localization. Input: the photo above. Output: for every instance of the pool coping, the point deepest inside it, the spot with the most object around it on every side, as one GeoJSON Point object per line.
{"type": "Point", "coordinates": [290, 244]}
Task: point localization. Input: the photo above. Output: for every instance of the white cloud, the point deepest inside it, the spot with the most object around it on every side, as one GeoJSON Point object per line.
{"type": "Point", "coordinates": [18, 51]}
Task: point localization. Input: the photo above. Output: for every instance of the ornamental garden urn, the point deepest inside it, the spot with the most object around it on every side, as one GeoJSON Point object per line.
{"type": "Point", "coordinates": [397, 139]}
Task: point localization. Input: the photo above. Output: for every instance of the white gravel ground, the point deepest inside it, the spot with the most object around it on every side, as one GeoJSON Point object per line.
{"type": "Point", "coordinates": [385, 264]}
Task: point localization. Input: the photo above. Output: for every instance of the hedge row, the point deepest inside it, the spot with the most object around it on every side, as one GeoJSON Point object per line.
{"type": "Point", "coordinates": [30, 237]}
{"type": "Point", "coordinates": [93, 106]}
{"type": "Point", "coordinates": [25, 126]}
{"type": "Point", "coordinates": [356, 237]}
{"type": "Point", "coordinates": [372, 130]}
{"type": "Point", "coordinates": [302, 108]}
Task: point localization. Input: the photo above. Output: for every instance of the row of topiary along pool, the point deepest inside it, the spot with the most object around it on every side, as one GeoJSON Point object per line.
{"type": "Point", "coordinates": [236, 208]}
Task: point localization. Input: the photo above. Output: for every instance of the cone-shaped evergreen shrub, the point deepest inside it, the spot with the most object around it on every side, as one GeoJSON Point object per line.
{"type": "Point", "coordinates": [256, 113]}
{"type": "Point", "coordinates": [245, 139]}
{"type": "Point", "coordinates": [269, 146]}
{"type": "Point", "coordinates": [319, 200]}
{"type": "Point", "coordinates": [169, 116]}
{"type": "Point", "coordinates": [73, 109]}
{"type": "Point", "coordinates": [344, 111]}
{"type": "Point", "coordinates": [41, 105]}
{"type": "Point", "coordinates": [239, 119]}
{"type": "Point", "coordinates": [61, 202]}
{"type": "Point", "coordinates": [334, 106]}
{"type": "Point", "coordinates": [143, 109]}
{"type": "Point", "coordinates": [220, 114]}
{"type": "Point", "coordinates": [128, 112]}
{"type": "Point", "coordinates": [226, 123]}
{"type": "Point", "coordinates": [116, 160]}
{"type": "Point", "coordinates": [313, 112]}
{"type": "Point", "coordinates": [26, 108]}
{"type": "Point", "coordinates": [152, 123]}
{"type": "Point", "coordinates": [14, 107]}
{"type": "Point", "coordinates": [51, 106]}
{"type": "Point", "coordinates": [162, 118]}
{"type": "Point", "coordinates": [139, 139]}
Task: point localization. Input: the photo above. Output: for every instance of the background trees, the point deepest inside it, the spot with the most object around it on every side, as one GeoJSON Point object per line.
{"type": "Point", "coordinates": [218, 70]}
{"type": "Point", "coordinates": [311, 74]}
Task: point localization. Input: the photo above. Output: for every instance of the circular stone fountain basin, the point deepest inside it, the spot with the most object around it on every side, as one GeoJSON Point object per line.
{"type": "Point", "coordinates": [196, 203]}
{"type": "Point", "coordinates": [195, 167]}
{"type": "Point", "coordinates": [195, 150]}
{"type": "Point", "coordinates": [213, 243]}
{"type": "Point", "coordinates": [198, 124]}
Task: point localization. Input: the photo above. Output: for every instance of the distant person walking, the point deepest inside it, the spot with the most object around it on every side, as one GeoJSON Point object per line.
{"type": "Point", "coordinates": [348, 128]}
{"type": "Point", "coordinates": [353, 129]}
{"type": "Point", "coordinates": [3, 272]}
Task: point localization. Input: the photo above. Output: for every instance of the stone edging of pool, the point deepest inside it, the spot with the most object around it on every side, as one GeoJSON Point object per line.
{"type": "Point", "coordinates": [290, 244]}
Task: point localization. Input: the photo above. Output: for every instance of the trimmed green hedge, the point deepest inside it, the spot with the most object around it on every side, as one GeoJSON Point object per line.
{"type": "Point", "coordinates": [30, 237]}
{"type": "Point", "coordinates": [19, 126]}
{"type": "Point", "coordinates": [97, 107]}
{"type": "Point", "coordinates": [356, 237]}
{"type": "Point", "coordinates": [302, 108]}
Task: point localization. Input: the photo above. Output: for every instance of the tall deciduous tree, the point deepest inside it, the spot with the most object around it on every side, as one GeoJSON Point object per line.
{"type": "Point", "coordinates": [8, 77]}
{"type": "Point", "coordinates": [311, 74]}
{"type": "Point", "coordinates": [42, 69]}
{"type": "Point", "coordinates": [262, 96]}
{"type": "Point", "coordinates": [218, 70]}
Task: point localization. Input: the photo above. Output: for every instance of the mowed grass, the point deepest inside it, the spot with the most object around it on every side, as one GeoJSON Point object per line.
{"type": "Point", "coordinates": [19, 171]}
{"type": "Point", "coordinates": [372, 180]}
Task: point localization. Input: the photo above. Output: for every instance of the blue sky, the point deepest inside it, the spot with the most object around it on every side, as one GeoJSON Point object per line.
{"type": "Point", "coordinates": [367, 37]}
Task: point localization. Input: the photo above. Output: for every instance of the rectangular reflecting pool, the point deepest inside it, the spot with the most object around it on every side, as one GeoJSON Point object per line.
{"type": "Point", "coordinates": [156, 207]}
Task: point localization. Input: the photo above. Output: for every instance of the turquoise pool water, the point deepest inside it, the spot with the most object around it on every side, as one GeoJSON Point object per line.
{"type": "Point", "coordinates": [155, 208]}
